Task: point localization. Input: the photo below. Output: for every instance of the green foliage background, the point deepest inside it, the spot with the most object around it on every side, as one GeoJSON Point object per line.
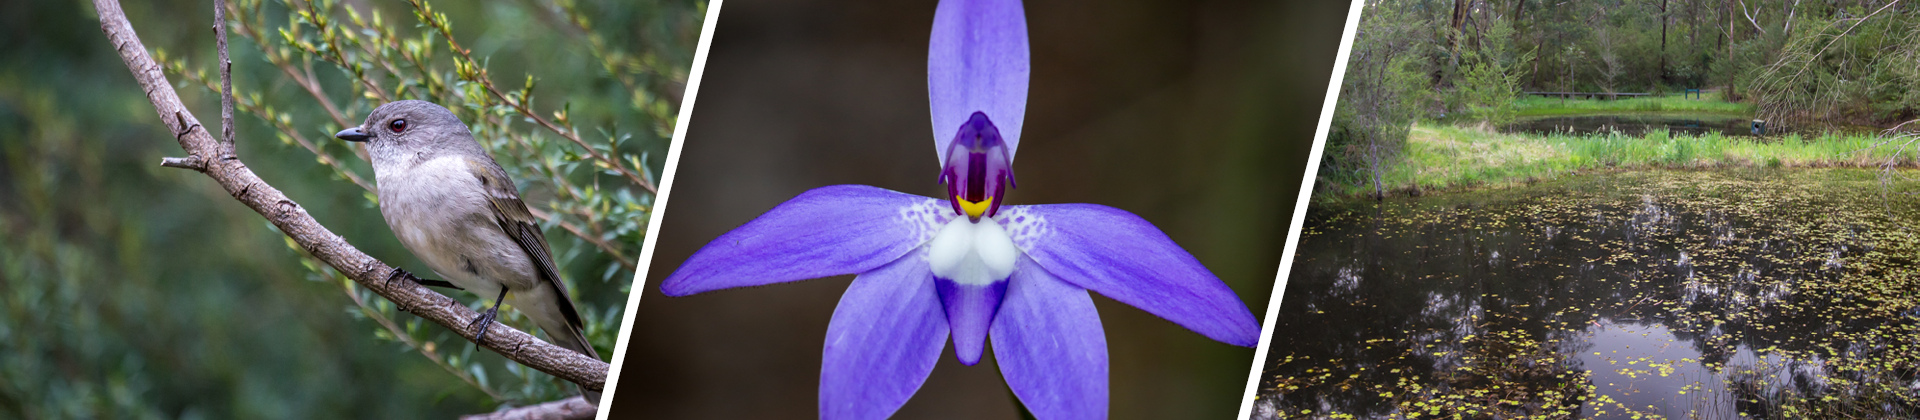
{"type": "Point", "coordinates": [128, 290]}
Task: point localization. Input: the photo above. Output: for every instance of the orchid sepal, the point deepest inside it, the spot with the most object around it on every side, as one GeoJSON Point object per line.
{"type": "Point", "coordinates": [977, 61]}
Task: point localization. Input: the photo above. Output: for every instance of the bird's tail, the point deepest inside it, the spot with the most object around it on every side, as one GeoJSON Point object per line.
{"type": "Point", "coordinates": [575, 338]}
{"type": "Point", "coordinates": [556, 316]}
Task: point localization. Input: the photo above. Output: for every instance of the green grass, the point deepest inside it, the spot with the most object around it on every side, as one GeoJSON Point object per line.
{"type": "Point", "coordinates": [1710, 103]}
{"type": "Point", "coordinates": [1446, 157]}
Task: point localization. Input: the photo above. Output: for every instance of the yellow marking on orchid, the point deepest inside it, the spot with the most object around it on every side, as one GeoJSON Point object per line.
{"type": "Point", "coordinates": [974, 209]}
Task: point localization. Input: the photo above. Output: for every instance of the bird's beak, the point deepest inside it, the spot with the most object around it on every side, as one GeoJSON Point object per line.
{"type": "Point", "coordinates": [352, 134]}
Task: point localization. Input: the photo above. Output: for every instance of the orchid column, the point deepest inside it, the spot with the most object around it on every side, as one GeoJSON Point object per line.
{"type": "Point", "coordinates": [964, 266]}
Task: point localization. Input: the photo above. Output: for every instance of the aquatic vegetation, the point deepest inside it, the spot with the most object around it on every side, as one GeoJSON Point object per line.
{"type": "Point", "coordinates": [1447, 157]}
{"type": "Point", "coordinates": [1732, 293]}
{"type": "Point", "coordinates": [1708, 103]}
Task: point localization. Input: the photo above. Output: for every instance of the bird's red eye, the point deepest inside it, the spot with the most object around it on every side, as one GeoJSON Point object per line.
{"type": "Point", "coordinates": [397, 125]}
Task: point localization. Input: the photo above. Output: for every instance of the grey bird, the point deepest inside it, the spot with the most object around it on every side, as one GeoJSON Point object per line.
{"type": "Point", "coordinates": [452, 205]}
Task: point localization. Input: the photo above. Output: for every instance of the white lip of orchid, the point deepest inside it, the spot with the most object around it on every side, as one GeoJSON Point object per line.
{"type": "Point", "coordinates": [975, 254]}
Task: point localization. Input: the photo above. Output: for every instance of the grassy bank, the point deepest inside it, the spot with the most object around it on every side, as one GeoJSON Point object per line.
{"type": "Point", "coordinates": [1708, 103]}
{"type": "Point", "coordinates": [1444, 157]}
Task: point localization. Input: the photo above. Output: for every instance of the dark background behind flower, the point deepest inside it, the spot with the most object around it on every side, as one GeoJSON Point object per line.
{"type": "Point", "coordinates": [1197, 116]}
{"type": "Point", "coordinates": [128, 290]}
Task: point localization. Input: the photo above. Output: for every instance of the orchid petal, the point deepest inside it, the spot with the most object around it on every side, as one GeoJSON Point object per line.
{"type": "Point", "coordinates": [1050, 346]}
{"type": "Point", "coordinates": [977, 62]}
{"type": "Point", "coordinates": [970, 310]}
{"type": "Point", "coordinates": [1121, 256]}
{"type": "Point", "coordinates": [883, 341]}
{"type": "Point", "coordinates": [826, 231]}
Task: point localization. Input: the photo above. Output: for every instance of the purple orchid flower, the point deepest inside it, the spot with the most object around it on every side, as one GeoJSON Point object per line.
{"type": "Point", "coordinates": [969, 268]}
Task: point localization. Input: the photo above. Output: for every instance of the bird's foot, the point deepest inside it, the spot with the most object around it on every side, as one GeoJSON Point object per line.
{"type": "Point", "coordinates": [397, 273]}
{"type": "Point", "coordinates": [484, 321]}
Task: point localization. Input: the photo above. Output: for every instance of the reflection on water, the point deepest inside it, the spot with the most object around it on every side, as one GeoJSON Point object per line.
{"type": "Point", "coordinates": [1651, 369]}
{"type": "Point", "coordinates": [1739, 294]}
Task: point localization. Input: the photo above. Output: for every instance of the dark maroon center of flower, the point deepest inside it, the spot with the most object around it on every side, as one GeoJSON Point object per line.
{"type": "Point", "coordinates": [978, 170]}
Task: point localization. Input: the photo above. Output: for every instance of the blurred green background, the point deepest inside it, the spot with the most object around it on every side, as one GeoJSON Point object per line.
{"type": "Point", "coordinates": [1195, 115]}
{"type": "Point", "coordinates": [128, 290]}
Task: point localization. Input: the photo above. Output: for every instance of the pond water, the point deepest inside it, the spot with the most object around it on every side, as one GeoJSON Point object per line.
{"type": "Point", "coordinates": [1746, 293]}
{"type": "Point", "coordinates": [1633, 125]}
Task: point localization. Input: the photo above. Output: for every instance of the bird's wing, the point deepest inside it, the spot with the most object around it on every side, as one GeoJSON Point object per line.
{"type": "Point", "coordinates": [519, 224]}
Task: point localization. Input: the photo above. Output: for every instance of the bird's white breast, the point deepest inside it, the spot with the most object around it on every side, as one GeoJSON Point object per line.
{"type": "Point", "coordinates": [440, 212]}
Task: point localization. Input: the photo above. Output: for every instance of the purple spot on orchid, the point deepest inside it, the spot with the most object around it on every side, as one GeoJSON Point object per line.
{"type": "Point", "coordinates": [930, 271]}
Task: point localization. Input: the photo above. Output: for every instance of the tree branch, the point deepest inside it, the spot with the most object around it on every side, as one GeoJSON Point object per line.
{"type": "Point", "coordinates": [189, 162]}
{"type": "Point", "coordinates": [225, 168]}
{"type": "Point", "coordinates": [1750, 19]}
{"type": "Point", "coordinates": [571, 408]}
{"type": "Point", "coordinates": [226, 72]}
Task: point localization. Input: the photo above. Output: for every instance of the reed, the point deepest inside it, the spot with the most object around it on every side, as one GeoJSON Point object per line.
{"type": "Point", "coordinates": [1708, 103]}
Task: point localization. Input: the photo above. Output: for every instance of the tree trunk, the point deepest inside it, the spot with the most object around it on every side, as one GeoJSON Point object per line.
{"type": "Point", "coordinates": [1456, 28]}
{"type": "Point", "coordinates": [1539, 42]}
{"type": "Point", "coordinates": [1693, 27]}
{"type": "Point", "coordinates": [1373, 143]}
{"type": "Point", "coordinates": [1460, 8]}
{"type": "Point", "coordinates": [1729, 59]}
{"type": "Point", "coordinates": [1663, 42]}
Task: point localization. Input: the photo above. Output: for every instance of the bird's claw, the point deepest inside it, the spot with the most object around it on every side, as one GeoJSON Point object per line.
{"type": "Point", "coordinates": [397, 273]}
{"type": "Point", "coordinates": [483, 322]}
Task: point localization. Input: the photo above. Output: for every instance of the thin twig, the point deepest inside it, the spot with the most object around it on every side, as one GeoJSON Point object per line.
{"type": "Point", "coordinates": [318, 19]}
{"type": "Point", "coordinates": [306, 81]}
{"type": "Point", "coordinates": [1843, 34]}
{"type": "Point", "coordinates": [612, 61]}
{"type": "Point", "coordinates": [401, 334]}
{"type": "Point", "coordinates": [286, 128]}
{"type": "Point", "coordinates": [226, 72]}
{"type": "Point", "coordinates": [479, 74]}
{"type": "Point", "coordinates": [612, 252]}
{"type": "Point", "coordinates": [562, 186]}
{"type": "Point", "coordinates": [189, 162]}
